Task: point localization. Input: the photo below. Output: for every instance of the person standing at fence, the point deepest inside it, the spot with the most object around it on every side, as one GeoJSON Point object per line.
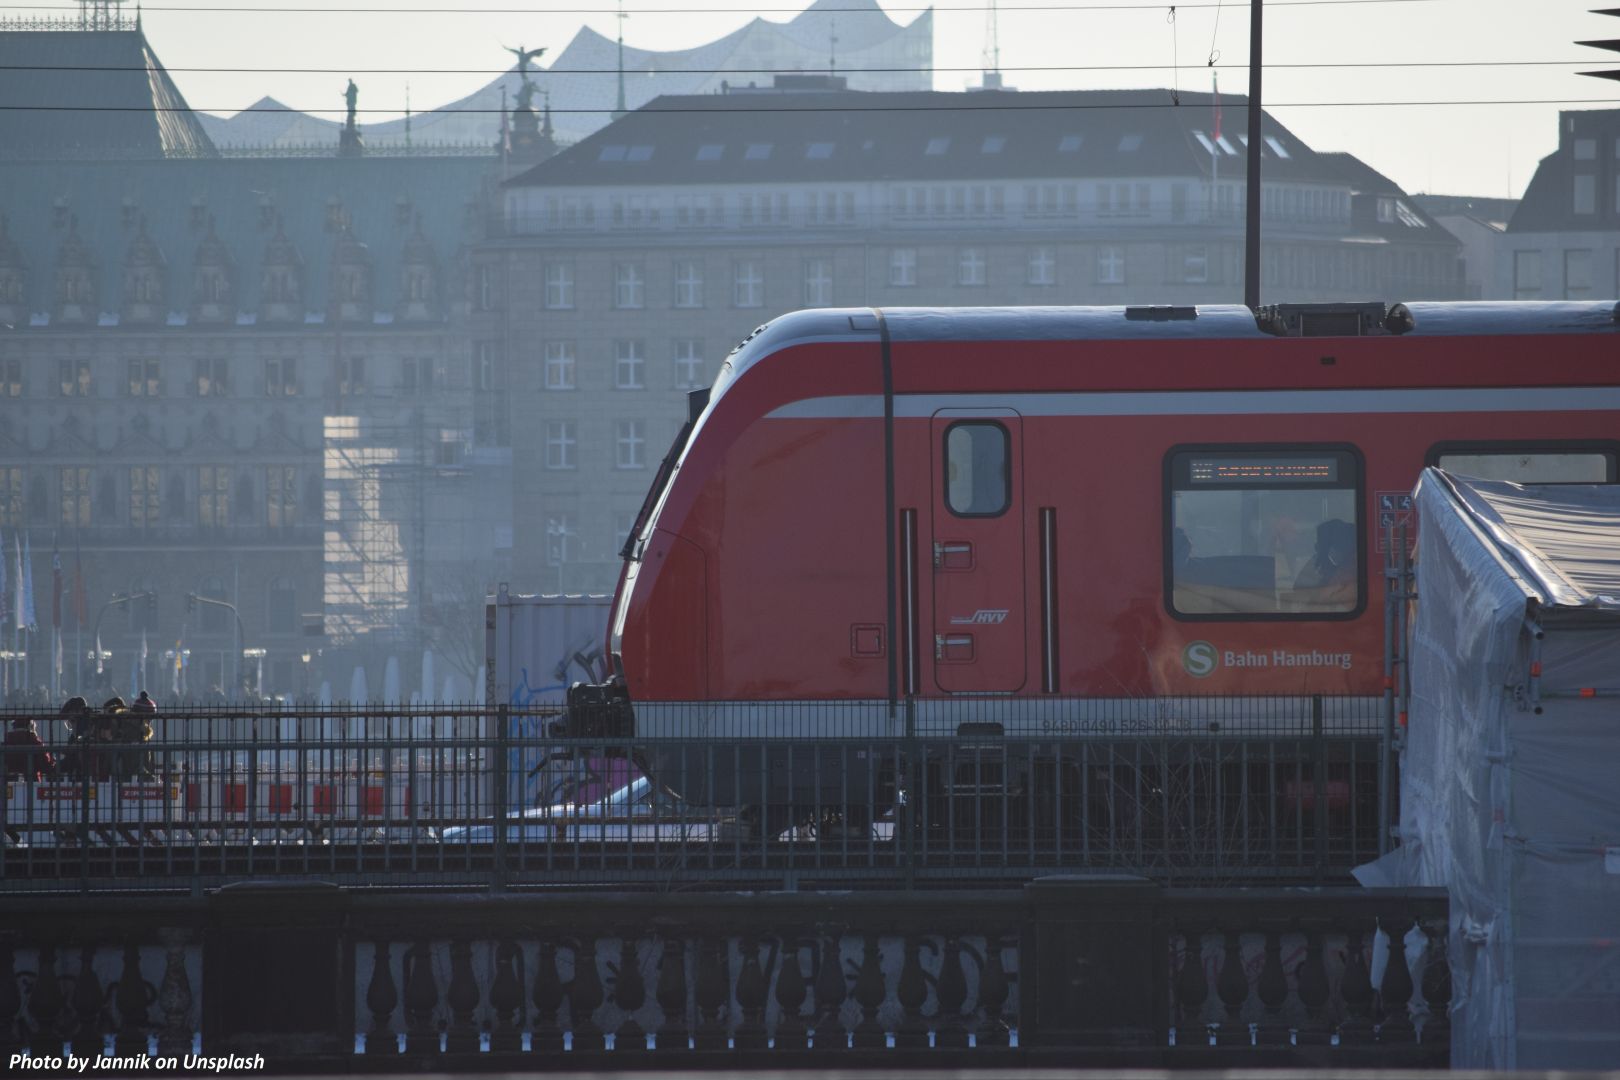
{"type": "Point", "coordinates": [136, 727]}
{"type": "Point", "coordinates": [26, 756]}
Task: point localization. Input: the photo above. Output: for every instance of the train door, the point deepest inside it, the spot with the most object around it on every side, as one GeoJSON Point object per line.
{"type": "Point", "coordinates": [978, 551]}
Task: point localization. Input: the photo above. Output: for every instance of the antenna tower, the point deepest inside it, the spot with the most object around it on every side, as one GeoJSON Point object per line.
{"type": "Point", "coordinates": [101, 14]}
{"type": "Point", "coordinates": [992, 48]}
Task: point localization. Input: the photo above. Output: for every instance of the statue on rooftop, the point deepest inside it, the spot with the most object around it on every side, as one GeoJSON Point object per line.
{"type": "Point", "coordinates": [351, 95]}
{"type": "Point", "coordinates": [525, 98]}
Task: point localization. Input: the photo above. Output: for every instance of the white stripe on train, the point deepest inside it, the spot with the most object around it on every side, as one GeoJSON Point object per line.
{"type": "Point", "coordinates": [1218, 402]}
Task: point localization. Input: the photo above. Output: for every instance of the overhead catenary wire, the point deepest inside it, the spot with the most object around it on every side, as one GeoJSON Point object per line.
{"type": "Point", "coordinates": [781, 109]}
{"type": "Point", "coordinates": [72, 11]}
{"type": "Point", "coordinates": [911, 70]}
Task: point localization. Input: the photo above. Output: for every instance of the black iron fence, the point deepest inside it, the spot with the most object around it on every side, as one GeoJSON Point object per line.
{"type": "Point", "coordinates": [777, 794]}
{"type": "Point", "coordinates": [1065, 971]}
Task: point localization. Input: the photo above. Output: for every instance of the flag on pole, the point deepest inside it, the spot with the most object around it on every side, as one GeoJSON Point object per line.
{"type": "Point", "coordinates": [56, 585]}
{"type": "Point", "coordinates": [28, 586]}
{"type": "Point", "coordinates": [17, 620]}
{"type": "Point", "coordinates": [1216, 133]}
{"type": "Point", "coordinates": [81, 604]}
{"type": "Point", "coordinates": [98, 653]}
{"type": "Point", "coordinates": [5, 593]}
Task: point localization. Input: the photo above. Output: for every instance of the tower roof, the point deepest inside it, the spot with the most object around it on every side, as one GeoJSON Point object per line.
{"type": "Point", "coordinates": [70, 78]}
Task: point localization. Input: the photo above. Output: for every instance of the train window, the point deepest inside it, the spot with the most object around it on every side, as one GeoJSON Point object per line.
{"type": "Point", "coordinates": [1255, 532]}
{"type": "Point", "coordinates": [977, 478]}
{"type": "Point", "coordinates": [1545, 463]}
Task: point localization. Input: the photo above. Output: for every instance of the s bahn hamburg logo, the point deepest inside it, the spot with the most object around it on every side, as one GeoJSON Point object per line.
{"type": "Point", "coordinates": [1200, 659]}
{"type": "Point", "coordinates": [984, 616]}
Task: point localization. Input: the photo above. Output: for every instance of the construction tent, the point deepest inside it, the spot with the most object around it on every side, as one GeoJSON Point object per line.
{"type": "Point", "coordinates": [1510, 773]}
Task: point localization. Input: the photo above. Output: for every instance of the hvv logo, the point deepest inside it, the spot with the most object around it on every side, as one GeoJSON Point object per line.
{"type": "Point", "coordinates": [981, 617]}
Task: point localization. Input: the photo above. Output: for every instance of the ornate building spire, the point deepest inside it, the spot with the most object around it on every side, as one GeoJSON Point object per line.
{"type": "Point", "coordinates": [76, 291]}
{"type": "Point", "coordinates": [145, 279]}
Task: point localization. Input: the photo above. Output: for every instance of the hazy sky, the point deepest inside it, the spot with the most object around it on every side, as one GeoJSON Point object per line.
{"type": "Point", "coordinates": [1479, 149]}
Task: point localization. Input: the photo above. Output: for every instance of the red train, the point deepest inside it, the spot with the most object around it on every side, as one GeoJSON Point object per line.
{"type": "Point", "coordinates": [1017, 505]}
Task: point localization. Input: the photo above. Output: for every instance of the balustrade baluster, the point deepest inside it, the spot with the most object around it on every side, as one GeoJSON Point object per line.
{"type": "Point", "coordinates": [752, 992]}
{"type": "Point", "coordinates": [506, 999]}
{"type": "Point", "coordinates": [950, 994]}
{"type": "Point", "coordinates": [1311, 978]}
{"type": "Point", "coordinates": [711, 993]}
{"type": "Point", "coordinates": [994, 990]}
{"type": "Point", "coordinates": [13, 1035]}
{"type": "Point", "coordinates": [1232, 987]}
{"type": "Point", "coordinates": [1437, 987]}
{"type": "Point", "coordinates": [132, 995]}
{"type": "Point", "coordinates": [675, 1031]}
{"type": "Point", "coordinates": [1355, 988]}
{"type": "Point", "coordinates": [911, 991]}
{"type": "Point", "coordinates": [89, 1007]}
{"type": "Point", "coordinates": [47, 1003]}
{"type": "Point", "coordinates": [547, 995]}
{"type": "Point", "coordinates": [421, 1000]}
{"type": "Point", "coordinates": [1272, 988]}
{"type": "Point", "coordinates": [585, 996]}
{"type": "Point", "coordinates": [174, 997]}
{"type": "Point", "coordinates": [1395, 988]}
{"type": "Point", "coordinates": [382, 998]}
{"type": "Point", "coordinates": [791, 993]}
{"type": "Point", "coordinates": [869, 992]}
{"type": "Point", "coordinates": [629, 994]}
{"type": "Point", "coordinates": [462, 996]}
{"type": "Point", "coordinates": [831, 988]}
{"type": "Point", "coordinates": [1192, 991]}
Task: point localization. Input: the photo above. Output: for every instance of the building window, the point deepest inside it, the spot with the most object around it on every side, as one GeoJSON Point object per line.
{"type": "Point", "coordinates": [748, 285]}
{"type": "Point", "coordinates": [213, 496]}
{"type": "Point", "coordinates": [559, 286]}
{"type": "Point", "coordinates": [283, 607]}
{"type": "Point", "coordinates": [75, 378]}
{"type": "Point", "coordinates": [903, 267]}
{"type": "Point", "coordinates": [970, 266]}
{"type": "Point", "coordinates": [1110, 265]}
{"type": "Point", "coordinates": [1585, 194]}
{"type": "Point", "coordinates": [561, 440]}
{"type": "Point", "coordinates": [75, 492]}
{"type": "Point", "coordinates": [561, 533]}
{"type": "Point", "coordinates": [281, 377]}
{"type": "Point", "coordinates": [688, 284]}
{"type": "Point", "coordinates": [11, 495]}
{"type": "Point", "coordinates": [486, 288]}
{"type": "Point", "coordinates": [630, 445]}
{"type": "Point", "coordinates": [11, 376]}
{"type": "Point", "coordinates": [1042, 266]}
{"type": "Point", "coordinates": [146, 377]}
{"type": "Point", "coordinates": [281, 496]}
{"type": "Point", "coordinates": [628, 287]}
{"type": "Point", "coordinates": [1195, 264]}
{"type": "Point", "coordinates": [1577, 274]}
{"type": "Point", "coordinates": [629, 365]}
{"type": "Point", "coordinates": [1527, 275]}
{"type": "Point", "coordinates": [351, 376]}
{"type": "Point", "coordinates": [213, 616]}
{"type": "Point", "coordinates": [560, 365]}
{"type": "Point", "coordinates": [688, 365]}
{"type": "Point", "coordinates": [1263, 532]}
{"type": "Point", "coordinates": [486, 372]}
{"type": "Point", "coordinates": [818, 283]}
{"type": "Point", "coordinates": [1585, 149]}
{"type": "Point", "coordinates": [420, 375]}
{"type": "Point", "coordinates": [145, 496]}
{"type": "Point", "coordinates": [212, 379]}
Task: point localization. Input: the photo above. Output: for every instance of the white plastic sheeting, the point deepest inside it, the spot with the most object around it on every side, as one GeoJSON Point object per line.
{"type": "Point", "coordinates": [534, 647]}
{"type": "Point", "coordinates": [1510, 776]}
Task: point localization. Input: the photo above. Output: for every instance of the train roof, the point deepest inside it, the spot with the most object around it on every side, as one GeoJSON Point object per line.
{"type": "Point", "coordinates": [1204, 323]}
